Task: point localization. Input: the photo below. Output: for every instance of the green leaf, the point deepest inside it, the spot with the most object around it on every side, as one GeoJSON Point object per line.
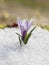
{"type": "Point", "coordinates": [28, 36]}
{"type": "Point", "coordinates": [20, 40]}
{"type": "Point", "coordinates": [18, 34]}
{"type": "Point", "coordinates": [32, 30]}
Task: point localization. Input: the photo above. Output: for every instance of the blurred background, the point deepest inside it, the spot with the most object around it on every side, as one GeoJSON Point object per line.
{"type": "Point", "coordinates": [36, 9]}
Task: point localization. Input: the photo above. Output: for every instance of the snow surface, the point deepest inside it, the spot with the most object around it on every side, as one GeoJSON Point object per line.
{"type": "Point", "coordinates": [36, 52]}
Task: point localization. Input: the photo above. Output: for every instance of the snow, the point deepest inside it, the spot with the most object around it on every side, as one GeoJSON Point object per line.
{"type": "Point", "coordinates": [36, 52]}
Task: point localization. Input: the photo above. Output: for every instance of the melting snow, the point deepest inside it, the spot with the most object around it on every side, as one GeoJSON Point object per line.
{"type": "Point", "coordinates": [36, 52]}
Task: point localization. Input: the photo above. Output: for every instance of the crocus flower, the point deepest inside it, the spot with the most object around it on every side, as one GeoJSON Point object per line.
{"type": "Point", "coordinates": [24, 27]}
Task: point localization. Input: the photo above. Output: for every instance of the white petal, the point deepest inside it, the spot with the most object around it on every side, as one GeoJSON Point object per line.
{"type": "Point", "coordinates": [22, 29]}
{"type": "Point", "coordinates": [30, 23]}
{"type": "Point", "coordinates": [25, 24]}
{"type": "Point", "coordinates": [31, 20]}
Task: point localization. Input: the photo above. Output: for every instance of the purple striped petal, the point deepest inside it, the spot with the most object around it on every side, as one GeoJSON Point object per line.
{"type": "Point", "coordinates": [25, 24]}
{"type": "Point", "coordinates": [24, 34]}
{"type": "Point", "coordinates": [30, 24]}
{"type": "Point", "coordinates": [22, 29]}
